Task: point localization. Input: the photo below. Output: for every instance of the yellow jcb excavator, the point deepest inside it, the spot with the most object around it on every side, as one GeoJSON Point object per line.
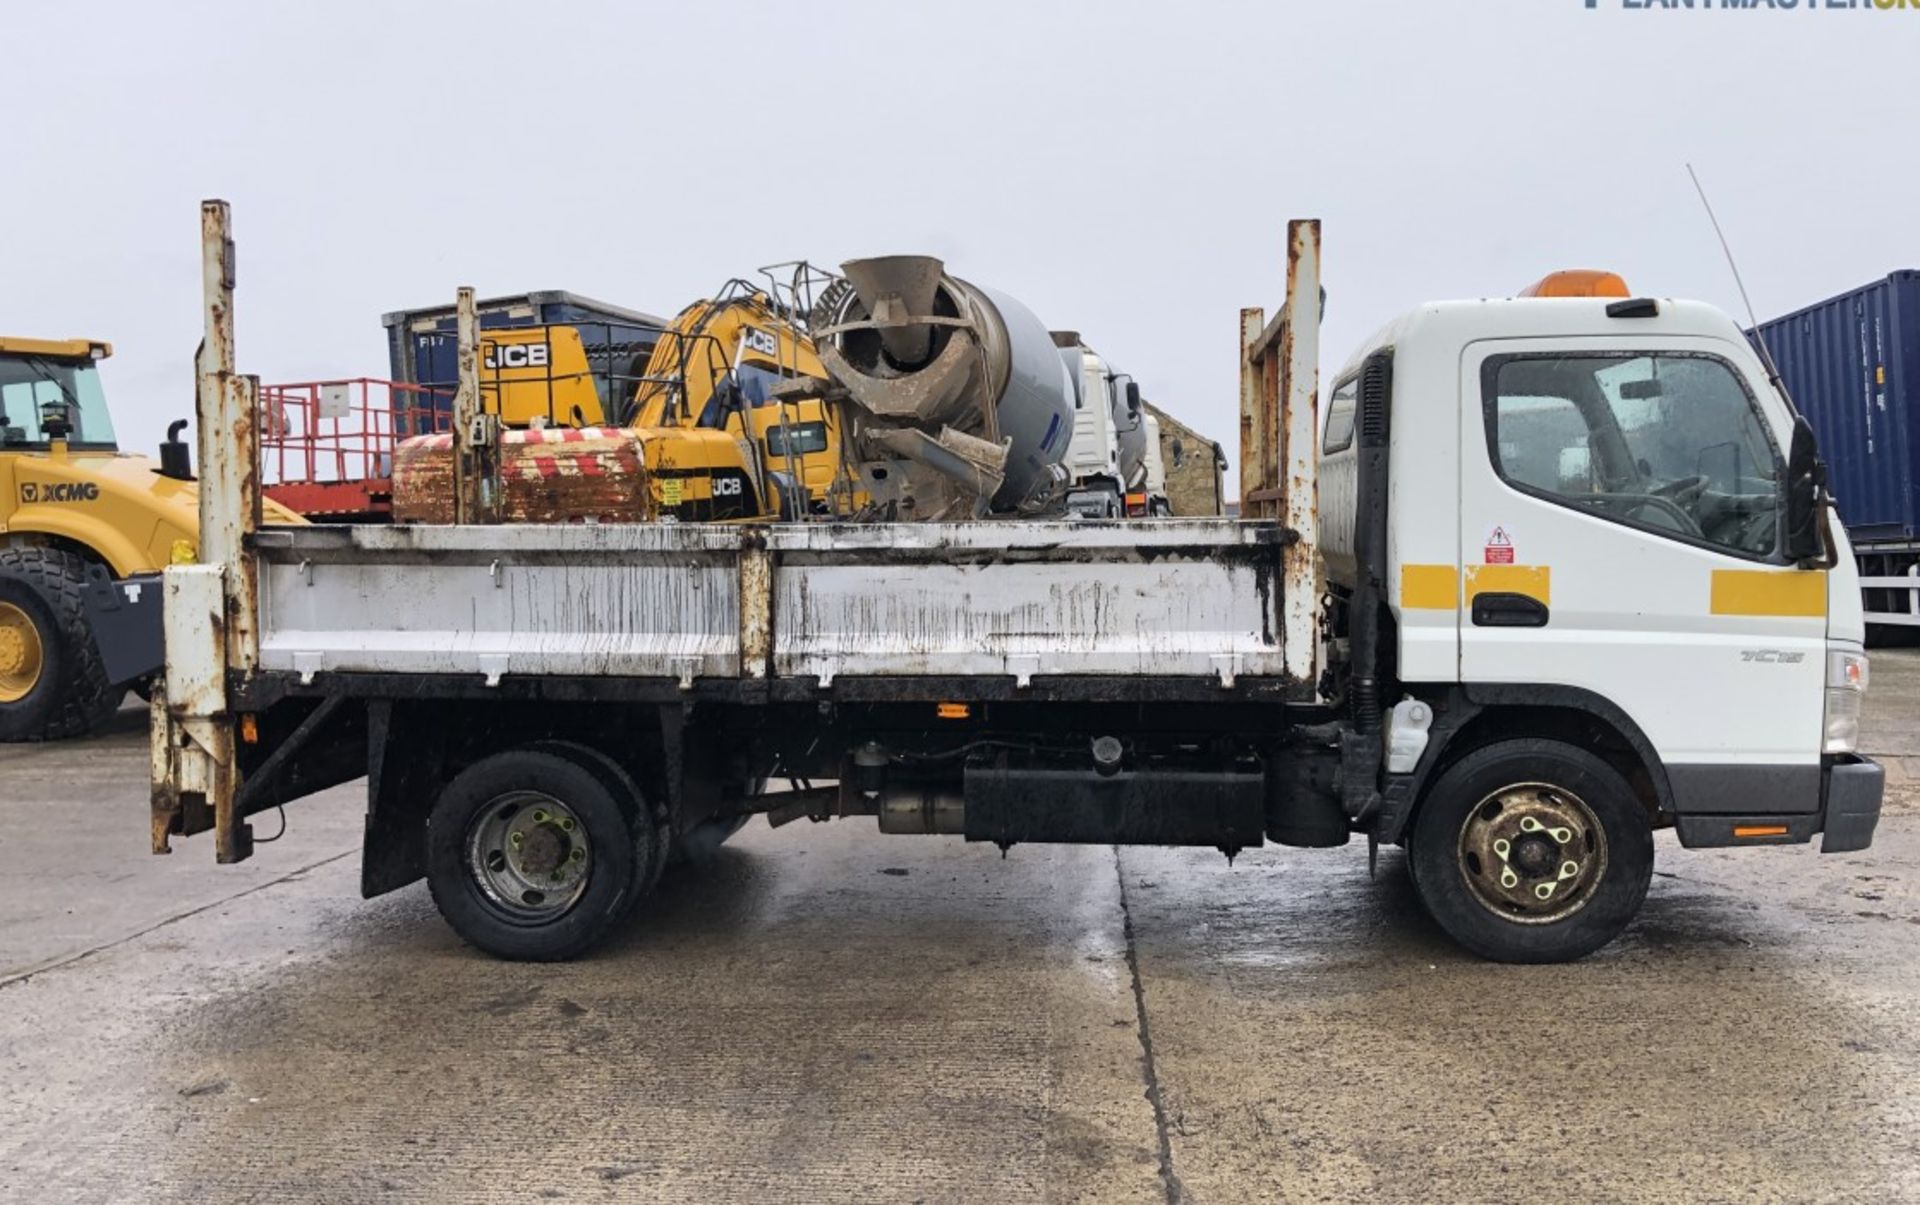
{"type": "Point", "coordinates": [702, 438]}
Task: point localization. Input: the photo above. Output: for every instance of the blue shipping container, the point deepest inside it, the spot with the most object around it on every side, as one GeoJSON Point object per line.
{"type": "Point", "coordinates": [423, 344]}
{"type": "Point", "coordinates": [1852, 366]}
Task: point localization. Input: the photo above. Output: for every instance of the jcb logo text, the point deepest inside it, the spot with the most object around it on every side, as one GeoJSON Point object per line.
{"type": "Point", "coordinates": [516, 355]}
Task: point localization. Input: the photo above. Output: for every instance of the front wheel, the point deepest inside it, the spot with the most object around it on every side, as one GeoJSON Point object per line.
{"type": "Point", "coordinates": [533, 855]}
{"type": "Point", "coordinates": [52, 684]}
{"type": "Point", "coordinates": [1532, 851]}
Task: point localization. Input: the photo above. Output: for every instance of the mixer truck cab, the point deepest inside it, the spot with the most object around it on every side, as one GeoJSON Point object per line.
{"type": "Point", "coordinates": [1603, 561]}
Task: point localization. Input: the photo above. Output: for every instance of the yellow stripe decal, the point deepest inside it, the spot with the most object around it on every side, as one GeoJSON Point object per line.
{"type": "Point", "coordinates": [1769, 592]}
{"type": "Point", "coordinates": [1534, 581]}
{"type": "Point", "coordinates": [1429, 588]}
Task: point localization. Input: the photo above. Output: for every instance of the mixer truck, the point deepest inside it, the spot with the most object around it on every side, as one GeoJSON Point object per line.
{"type": "Point", "coordinates": [1435, 627]}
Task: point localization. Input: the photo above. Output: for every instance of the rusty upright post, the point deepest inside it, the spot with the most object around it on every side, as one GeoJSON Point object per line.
{"type": "Point", "coordinates": [204, 767]}
{"type": "Point", "coordinates": [229, 442]}
{"type": "Point", "coordinates": [1279, 456]}
{"type": "Point", "coordinates": [1253, 435]}
{"type": "Point", "coordinates": [1299, 460]}
{"type": "Point", "coordinates": [473, 436]}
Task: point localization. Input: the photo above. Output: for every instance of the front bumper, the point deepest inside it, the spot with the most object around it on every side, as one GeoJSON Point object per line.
{"type": "Point", "coordinates": [1854, 788]}
{"type": "Point", "coordinates": [1851, 789]}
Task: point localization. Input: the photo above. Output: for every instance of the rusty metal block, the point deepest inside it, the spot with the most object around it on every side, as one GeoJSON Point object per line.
{"type": "Point", "coordinates": [552, 475]}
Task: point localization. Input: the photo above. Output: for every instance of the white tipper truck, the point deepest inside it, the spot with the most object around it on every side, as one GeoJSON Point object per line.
{"type": "Point", "coordinates": [1551, 575]}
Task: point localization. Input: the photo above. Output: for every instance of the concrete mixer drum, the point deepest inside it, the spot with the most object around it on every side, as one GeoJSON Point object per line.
{"type": "Point", "coordinates": [957, 400]}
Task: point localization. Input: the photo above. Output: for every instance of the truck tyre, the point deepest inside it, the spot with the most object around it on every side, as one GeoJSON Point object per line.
{"type": "Point", "coordinates": [652, 840]}
{"type": "Point", "coordinates": [52, 683]}
{"type": "Point", "coordinates": [531, 856]}
{"type": "Point", "coordinates": [1532, 851]}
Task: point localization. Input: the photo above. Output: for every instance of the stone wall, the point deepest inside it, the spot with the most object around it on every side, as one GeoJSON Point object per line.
{"type": "Point", "coordinates": [1196, 468]}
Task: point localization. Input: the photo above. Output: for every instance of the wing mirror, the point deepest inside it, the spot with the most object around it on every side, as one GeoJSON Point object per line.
{"type": "Point", "coordinates": [1806, 487]}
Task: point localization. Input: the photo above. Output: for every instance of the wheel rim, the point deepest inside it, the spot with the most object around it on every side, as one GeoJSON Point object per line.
{"type": "Point", "coordinates": [1532, 853]}
{"type": "Point", "coordinates": [530, 856]}
{"type": "Point", "coordinates": [22, 657]}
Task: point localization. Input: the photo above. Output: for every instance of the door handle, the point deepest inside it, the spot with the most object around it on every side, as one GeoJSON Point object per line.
{"type": "Point", "coordinates": [1509, 611]}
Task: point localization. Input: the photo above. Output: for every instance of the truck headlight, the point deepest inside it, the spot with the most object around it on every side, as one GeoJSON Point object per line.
{"type": "Point", "coordinates": [1846, 687]}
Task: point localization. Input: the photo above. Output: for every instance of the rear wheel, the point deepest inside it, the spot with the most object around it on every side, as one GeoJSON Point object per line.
{"type": "Point", "coordinates": [1532, 851]}
{"type": "Point", "coordinates": [52, 684]}
{"type": "Point", "coordinates": [534, 855]}
{"type": "Point", "coordinates": [652, 844]}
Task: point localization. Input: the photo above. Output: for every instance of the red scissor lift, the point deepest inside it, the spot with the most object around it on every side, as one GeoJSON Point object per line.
{"type": "Point", "coordinates": [326, 447]}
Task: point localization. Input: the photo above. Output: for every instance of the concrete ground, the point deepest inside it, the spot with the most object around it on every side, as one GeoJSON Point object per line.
{"type": "Point", "coordinates": [825, 1014]}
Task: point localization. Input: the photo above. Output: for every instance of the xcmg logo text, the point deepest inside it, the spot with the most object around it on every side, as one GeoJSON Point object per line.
{"type": "Point", "coordinates": [1812, 6]}
{"type": "Point", "coordinates": [59, 491]}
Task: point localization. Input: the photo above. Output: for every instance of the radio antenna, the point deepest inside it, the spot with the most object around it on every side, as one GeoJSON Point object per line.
{"type": "Point", "coordinates": [1773, 370]}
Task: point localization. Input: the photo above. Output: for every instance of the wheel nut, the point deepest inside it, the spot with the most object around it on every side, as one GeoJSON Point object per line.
{"type": "Point", "coordinates": [516, 839]}
{"type": "Point", "coordinates": [579, 855]}
{"type": "Point", "coordinates": [566, 826]}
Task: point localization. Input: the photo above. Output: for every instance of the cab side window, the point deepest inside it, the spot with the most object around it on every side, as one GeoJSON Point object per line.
{"type": "Point", "coordinates": [1670, 442]}
{"type": "Point", "coordinates": [1340, 410]}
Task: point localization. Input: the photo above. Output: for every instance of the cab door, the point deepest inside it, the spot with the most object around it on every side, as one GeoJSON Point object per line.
{"type": "Point", "coordinates": [1620, 532]}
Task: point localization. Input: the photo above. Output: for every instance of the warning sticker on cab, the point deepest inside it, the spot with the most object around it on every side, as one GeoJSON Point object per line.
{"type": "Point", "coordinates": [1499, 547]}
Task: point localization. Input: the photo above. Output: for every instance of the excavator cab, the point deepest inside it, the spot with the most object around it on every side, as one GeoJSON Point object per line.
{"type": "Point", "coordinates": [719, 367]}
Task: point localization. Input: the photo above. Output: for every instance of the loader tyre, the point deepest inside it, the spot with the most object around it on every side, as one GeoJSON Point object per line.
{"type": "Point", "coordinates": [533, 855]}
{"type": "Point", "coordinates": [52, 683]}
{"type": "Point", "coordinates": [1532, 851]}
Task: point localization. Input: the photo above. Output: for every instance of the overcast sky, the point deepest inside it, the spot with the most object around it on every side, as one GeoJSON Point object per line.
{"type": "Point", "coordinates": [1126, 169]}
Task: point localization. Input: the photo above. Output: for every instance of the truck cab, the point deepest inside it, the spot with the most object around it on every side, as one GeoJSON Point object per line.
{"type": "Point", "coordinates": [1595, 530]}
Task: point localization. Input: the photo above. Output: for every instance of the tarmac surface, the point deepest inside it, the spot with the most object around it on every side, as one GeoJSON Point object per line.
{"type": "Point", "coordinates": [827, 1014]}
